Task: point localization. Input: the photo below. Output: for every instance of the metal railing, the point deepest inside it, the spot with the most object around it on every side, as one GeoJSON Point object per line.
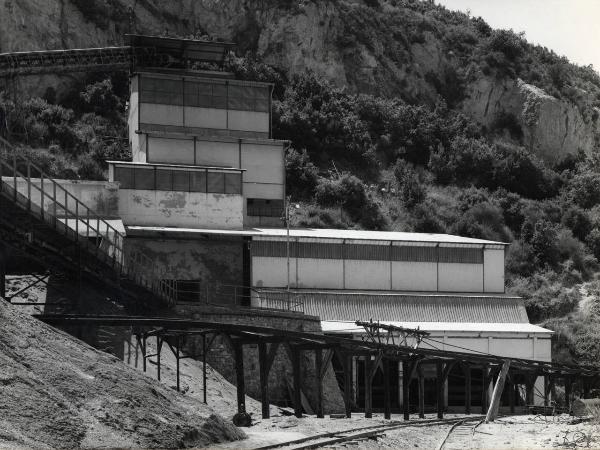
{"type": "Point", "coordinates": [198, 292]}
{"type": "Point", "coordinates": [26, 185]}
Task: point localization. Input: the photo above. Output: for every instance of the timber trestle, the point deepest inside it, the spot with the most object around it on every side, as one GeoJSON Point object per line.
{"type": "Point", "coordinates": [498, 370]}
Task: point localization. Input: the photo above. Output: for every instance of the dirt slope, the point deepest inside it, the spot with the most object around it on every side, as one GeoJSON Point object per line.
{"type": "Point", "coordinates": [57, 392]}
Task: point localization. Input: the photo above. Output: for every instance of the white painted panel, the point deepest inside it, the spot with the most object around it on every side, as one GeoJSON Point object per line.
{"type": "Point", "coordinates": [516, 348]}
{"type": "Point", "coordinates": [414, 276]}
{"type": "Point", "coordinates": [543, 349]}
{"type": "Point", "coordinates": [180, 209]}
{"type": "Point", "coordinates": [219, 154]}
{"type": "Point", "coordinates": [271, 272]}
{"type": "Point", "coordinates": [263, 163]}
{"type": "Point", "coordinates": [205, 117]}
{"type": "Point", "coordinates": [133, 122]}
{"type": "Point", "coordinates": [138, 149]}
{"type": "Point", "coordinates": [367, 274]}
{"type": "Point", "coordinates": [259, 190]}
{"type": "Point", "coordinates": [493, 261]}
{"type": "Point", "coordinates": [161, 114]}
{"type": "Point", "coordinates": [455, 277]}
{"type": "Point", "coordinates": [172, 151]}
{"type": "Point", "coordinates": [320, 273]}
{"type": "Point", "coordinates": [473, 344]}
{"type": "Point", "coordinates": [248, 121]}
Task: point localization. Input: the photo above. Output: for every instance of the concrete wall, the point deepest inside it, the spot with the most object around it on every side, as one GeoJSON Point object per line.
{"type": "Point", "coordinates": [367, 274]}
{"type": "Point", "coordinates": [136, 142]}
{"type": "Point", "coordinates": [209, 262]}
{"type": "Point", "coordinates": [180, 209]}
{"type": "Point", "coordinates": [100, 196]}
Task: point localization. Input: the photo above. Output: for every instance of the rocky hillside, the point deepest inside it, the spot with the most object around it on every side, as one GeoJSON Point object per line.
{"type": "Point", "coordinates": [410, 49]}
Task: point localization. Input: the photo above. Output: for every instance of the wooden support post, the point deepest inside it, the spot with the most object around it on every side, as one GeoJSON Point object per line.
{"type": "Point", "coordinates": [421, 391]}
{"type": "Point", "coordinates": [568, 394]}
{"type": "Point", "coordinates": [347, 360]}
{"type": "Point", "coordinates": [406, 372]}
{"type": "Point", "coordinates": [497, 394]}
{"type": "Point", "coordinates": [467, 371]}
{"type": "Point", "coordinates": [529, 384]}
{"type": "Point", "coordinates": [264, 379]}
{"type": "Point", "coordinates": [159, 343]}
{"type": "Point", "coordinates": [319, 373]}
{"type": "Point", "coordinates": [485, 384]}
{"type": "Point", "coordinates": [239, 377]}
{"type": "Point", "coordinates": [178, 344]}
{"type": "Point", "coordinates": [368, 389]}
{"type": "Point", "coordinates": [439, 387]}
{"type": "Point", "coordinates": [204, 367]}
{"type": "Point", "coordinates": [546, 389]}
{"type": "Point", "coordinates": [3, 257]}
{"type": "Point", "coordinates": [387, 398]}
{"type": "Point", "coordinates": [295, 353]}
{"type": "Point", "coordinates": [511, 394]}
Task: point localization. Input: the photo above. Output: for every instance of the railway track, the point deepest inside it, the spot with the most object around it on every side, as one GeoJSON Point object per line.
{"type": "Point", "coordinates": [357, 435]}
{"type": "Point", "coordinates": [460, 435]}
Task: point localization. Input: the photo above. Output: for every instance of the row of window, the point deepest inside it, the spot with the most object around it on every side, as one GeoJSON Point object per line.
{"type": "Point", "coordinates": [205, 94]}
{"type": "Point", "coordinates": [264, 208]}
{"type": "Point", "coordinates": [159, 179]}
{"type": "Point", "coordinates": [318, 250]}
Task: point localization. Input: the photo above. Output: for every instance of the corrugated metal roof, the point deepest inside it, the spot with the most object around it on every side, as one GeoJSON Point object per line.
{"type": "Point", "coordinates": [267, 233]}
{"type": "Point", "coordinates": [407, 307]}
{"type": "Point", "coordinates": [351, 327]}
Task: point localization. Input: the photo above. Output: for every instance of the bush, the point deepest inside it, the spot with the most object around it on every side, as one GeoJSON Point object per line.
{"type": "Point", "coordinates": [301, 175]}
{"type": "Point", "coordinates": [584, 189]}
{"type": "Point", "coordinates": [410, 189]}
{"type": "Point", "coordinates": [578, 221]}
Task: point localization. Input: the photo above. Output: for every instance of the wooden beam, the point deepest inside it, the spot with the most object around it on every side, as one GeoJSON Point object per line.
{"type": "Point", "coordinates": [368, 389]}
{"type": "Point", "coordinates": [529, 385]}
{"type": "Point", "coordinates": [421, 378]}
{"type": "Point", "coordinates": [439, 387]}
{"type": "Point", "coordinates": [387, 397]}
{"type": "Point", "coordinates": [238, 351]}
{"type": "Point", "coordinates": [319, 381]}
{"type": "Point", "coordinates": [347, 362]}
{"type": "Point", "coordinates": [546, 389]}
{"type": "Point", "coordinates": [263, 379]}
{"type": "Point", "coordinates": [467, 371]}
{"type": "Point", "coordinates": [406, 375]}
{"type": "Point", "coordinates": [297, 400]}
{"type": "Point", "coordinates": [497, 394]}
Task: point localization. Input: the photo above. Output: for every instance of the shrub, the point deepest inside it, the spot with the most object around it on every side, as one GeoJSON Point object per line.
{"type": "Point", "coordinates": [301, 175]}
{"type": "Point", "coordinates": [584, 189]}
{"type": "Point", "coordinates": [410, 189]}
{"type": "Point", "coordinates": [578, 221]}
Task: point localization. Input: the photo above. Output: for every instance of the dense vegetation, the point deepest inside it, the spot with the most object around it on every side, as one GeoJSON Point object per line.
{"type": "Point", "coordinates": [396, 163]}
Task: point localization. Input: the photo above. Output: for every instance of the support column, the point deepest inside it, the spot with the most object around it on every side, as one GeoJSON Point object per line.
{"type": "Point", "coordinates": [511, 395]}
{"type": "Point", "coordinates": [297, 381]}
{"type": "Point", "coordinates": [387, 400]}
{"type": "Point", "coordinates": [368, 389]}
{"type": "Point", "coordinates": [159, 343]}
{"type": "Point", "coordinates": [529, 384]}
{"type": "Point", "coordinates": [405, 389]}
{"type": "Point", "coordinates": [467, 371]}
{"type": "Point", "coordinates": [498, 388]}
{"type": "Point", "coordinates": [319, 372]}
{"type": "Point", "coordinates": [439, 387]}
{"type": "Point", "coordinates": [239, 377]}
{"type": "Point", "coordinates": [263, 379]}
{"type": "Point", "coordinates": [568, 394]}
{"type": "Point", "coordinates": [3, 257]}
{"type": "Point", "coordinates": [421, 376]}
{"type": "Point", "coordinates": [347, 384]}
{"type": "Point", "coordinates": [485, 389]}
{"type": "Point", "coordinates": [546, 389]}
{"type": "Point", "coordinates": [204, 368]}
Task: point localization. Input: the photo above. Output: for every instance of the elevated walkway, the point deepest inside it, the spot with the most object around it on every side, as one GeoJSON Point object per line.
{"type": "Point", "coordinates": [42, 220]}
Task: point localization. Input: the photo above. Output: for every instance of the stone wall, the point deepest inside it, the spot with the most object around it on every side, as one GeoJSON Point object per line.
{"type": "Point", "coordinates": [221, 357]}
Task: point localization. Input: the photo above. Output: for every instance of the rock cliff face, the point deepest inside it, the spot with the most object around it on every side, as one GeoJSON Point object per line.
{"type": "Point", "coordinates": [337, 39]}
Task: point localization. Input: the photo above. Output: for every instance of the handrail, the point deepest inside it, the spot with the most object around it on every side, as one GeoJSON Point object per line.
{"type": "Point", "coordinates": [109, 241]}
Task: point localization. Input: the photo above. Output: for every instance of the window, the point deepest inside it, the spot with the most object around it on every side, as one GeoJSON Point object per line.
{"type": "Point", "coordinates": [233, 183]}
{"type": "Point", "coordinates": [161, 90]}
{"type": "Point", "coordinates": [124, 175]}
{"type": "Point", "coordinates": [248, 98]}
{"type": "Point", "coordinates": [206, 94]}
{"type": "Point", "coordinates": [198, 181]}
{"type": "Point", "coordinates": [144, 178]}
{"type": "Point", "coordinates": [264, 207]}
{"type": "Point", "coordinates": [216, 182]}
{"type": "Point", "coordinates": [181, 180]}
{"type": "Point", "coordinates": [164, 180]}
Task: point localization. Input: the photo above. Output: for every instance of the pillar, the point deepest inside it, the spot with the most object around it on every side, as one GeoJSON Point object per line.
{"type": "Point", "coordinates": [467, 371]}
{"type": "Point", "coordinates": [439, 387]}
{"type": "Point", "coordinates": [319, 382]}
{"type": "Point", "coordinates": [387, 400]}
{"type": "Point", "coordinates": [239, 377]}
{"type": "Point", "coordinates": [421, 381]}
{"type": "Point", "coordinates": [263, 379]}
{"type": "Point", "coordinates": [405, 389]}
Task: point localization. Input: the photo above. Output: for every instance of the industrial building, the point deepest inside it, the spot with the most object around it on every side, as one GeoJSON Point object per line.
{"type": "Point", "coordinates": [202, 201]}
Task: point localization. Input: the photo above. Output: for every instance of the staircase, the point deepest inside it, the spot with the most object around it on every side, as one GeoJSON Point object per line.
{"type": "Point", "coordinates": [42, 219]}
